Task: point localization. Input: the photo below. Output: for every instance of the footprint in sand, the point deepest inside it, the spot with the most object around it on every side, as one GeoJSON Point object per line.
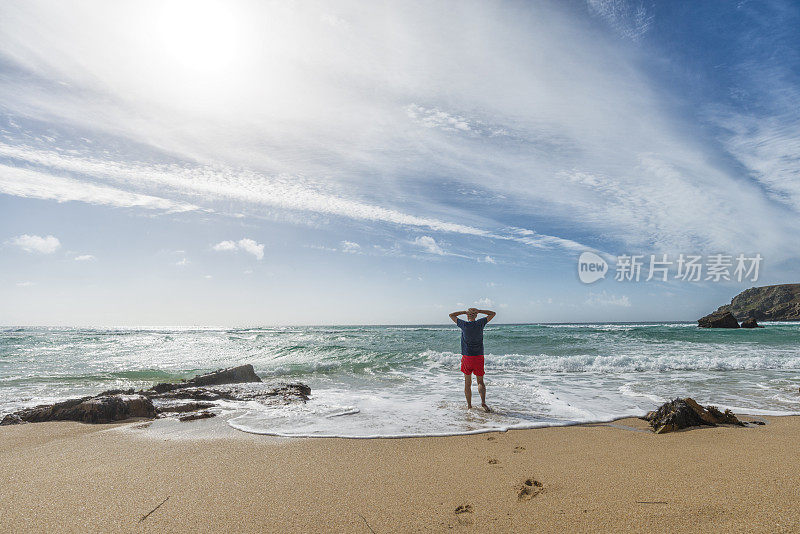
{"type": "Point", "coordinates": [519, 449]}
{"type": "Point", "coordinates": [464, 509]}
{"type": "Point", "coordinates": [494, 461]}
{"type": "Point", "coordinates": [491, 438]}
{"type": "Point", "coordinates": [530, 489]}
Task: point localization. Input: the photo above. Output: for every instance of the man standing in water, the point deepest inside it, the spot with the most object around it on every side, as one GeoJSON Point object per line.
{"type": "Point", "coordinates": [472, 350]}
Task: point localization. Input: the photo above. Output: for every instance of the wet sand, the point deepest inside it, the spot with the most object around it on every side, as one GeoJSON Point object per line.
{"type": "Point", "coordinates": [69, 477]}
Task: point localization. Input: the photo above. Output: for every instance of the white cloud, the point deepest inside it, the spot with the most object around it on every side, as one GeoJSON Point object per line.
{"type": "Point", "coordinates": [486, 259]}
{"type": "Point", "coordinates": [208, 277]}
{"type": "Point", "coordinates": [182, 262]}
{"type": "Point", "coordinates": [85, 257]}
{"type": "Point", "coordinates": [246, 244]}
{"type": "Point", "coordinates": [251, 247]}
{"type": "Point", "coordinates": [607, 299]}
{"type": "Point", "coordinates": [35, 243]}
{"type": "Point", "coordinates": [350, 246]}
{"type": "Point", "coordinates": [26, 284]}
{"type": "Point", "coordinates": [429, 244]}
{"type": "Point", "coordinates": [485, 302]}
{"type": "Point", "coordinates": [224, 246]}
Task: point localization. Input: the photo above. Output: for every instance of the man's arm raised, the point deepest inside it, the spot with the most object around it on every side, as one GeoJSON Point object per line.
{"type": "Point", "coordinates": [454, 315]}
{"type": "Point", "coordinates": [489, 314]}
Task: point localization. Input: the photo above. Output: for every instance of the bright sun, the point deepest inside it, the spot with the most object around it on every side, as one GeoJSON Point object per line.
{"type": "Point", "coordinates": [199, 35]}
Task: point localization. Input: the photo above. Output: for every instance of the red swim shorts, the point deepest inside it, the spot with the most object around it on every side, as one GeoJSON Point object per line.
{"type": "Point", "coordinates": [472, 364]}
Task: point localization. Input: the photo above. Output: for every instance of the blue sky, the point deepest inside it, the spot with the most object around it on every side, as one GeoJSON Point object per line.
{"type": "Point", "coordinates": [243, 163]}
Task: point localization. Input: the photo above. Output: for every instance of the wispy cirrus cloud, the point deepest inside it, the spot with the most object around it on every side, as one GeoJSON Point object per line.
{"type": "Point", "coordinates": [212, 184]}
{"type": "Point", "coordinates": [553, 121]}
{"type": "Point", "coordinates": [630, 18]}
{"type": "Point", "coordinates": [27, 183]}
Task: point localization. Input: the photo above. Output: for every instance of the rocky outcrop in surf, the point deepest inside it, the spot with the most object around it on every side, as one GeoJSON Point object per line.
{"type": "Point", "coordinates": [103, 408]}
{"type": "Point", "coordinates": [686, 413]}
{"type": "Point", "coordinates": [192, 399]}
{"type": "Point", "coordinates": [767, 303]}
{"type": "Point", "coordinates": [263, 393]}
{"type": "Point", "coordinates": [750, 322]}
{"type": "Point", "coordinates": [232, 375]}
{"type": "Point", "coordinates": [718, 320]}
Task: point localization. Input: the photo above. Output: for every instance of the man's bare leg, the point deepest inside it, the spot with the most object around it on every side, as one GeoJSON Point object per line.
{"type": "Point", "coordinates": [468, 389]}
{"type": "Point", "coordinates": [482, 391]}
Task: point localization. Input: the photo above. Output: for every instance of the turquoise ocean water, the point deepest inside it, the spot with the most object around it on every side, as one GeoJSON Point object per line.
{"type": "Point", "coordinates": [405, 380]}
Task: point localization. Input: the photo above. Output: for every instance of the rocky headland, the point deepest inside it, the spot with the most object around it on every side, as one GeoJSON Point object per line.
{"type": "Point", "coordinates": [768, 303]}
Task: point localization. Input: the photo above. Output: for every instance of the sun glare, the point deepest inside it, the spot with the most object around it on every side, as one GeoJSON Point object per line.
{"type": "Point", "coordinates": [199, 35]}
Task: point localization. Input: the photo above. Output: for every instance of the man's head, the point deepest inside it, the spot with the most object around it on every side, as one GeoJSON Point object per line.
{"type": "Point", "coordinates": [472, 314]}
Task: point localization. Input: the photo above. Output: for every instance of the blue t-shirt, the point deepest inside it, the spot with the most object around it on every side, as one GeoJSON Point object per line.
{"type": "Point", "coordinates": [472, 336]}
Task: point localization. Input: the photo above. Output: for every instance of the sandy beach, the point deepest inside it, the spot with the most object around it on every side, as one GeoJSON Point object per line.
{"type": "Point", "coordinates": [71, 477]}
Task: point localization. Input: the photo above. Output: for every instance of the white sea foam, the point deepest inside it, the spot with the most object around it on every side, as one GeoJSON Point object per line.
{"type": "Point", "coordinates": [405, 381]}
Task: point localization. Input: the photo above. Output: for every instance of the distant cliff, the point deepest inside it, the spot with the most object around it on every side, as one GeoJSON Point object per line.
{"type": "Point", "coordinates": [768, 303]}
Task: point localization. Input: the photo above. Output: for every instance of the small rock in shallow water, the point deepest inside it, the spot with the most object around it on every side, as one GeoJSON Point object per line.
{"type": "Point", "coordinates": [281, 393]}
{"type": "Point", "coordinates": [185, 407]}
{"type": "Point", "coordinates": [205, 414]}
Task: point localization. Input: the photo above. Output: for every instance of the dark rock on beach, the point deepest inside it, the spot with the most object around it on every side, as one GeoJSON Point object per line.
{"type": "Point", "coordinates": [12, 419]}
{"type": "Point", "coordinates": [750, 322]}
{"type": "Point", "coordinates": [99, 409]}
{"type": "Point", "coordinates": [686, 413]}
{"type": "Point", "coordinates": [718, 320]}
{"type": "Point", "coordinates": [235, 383]}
